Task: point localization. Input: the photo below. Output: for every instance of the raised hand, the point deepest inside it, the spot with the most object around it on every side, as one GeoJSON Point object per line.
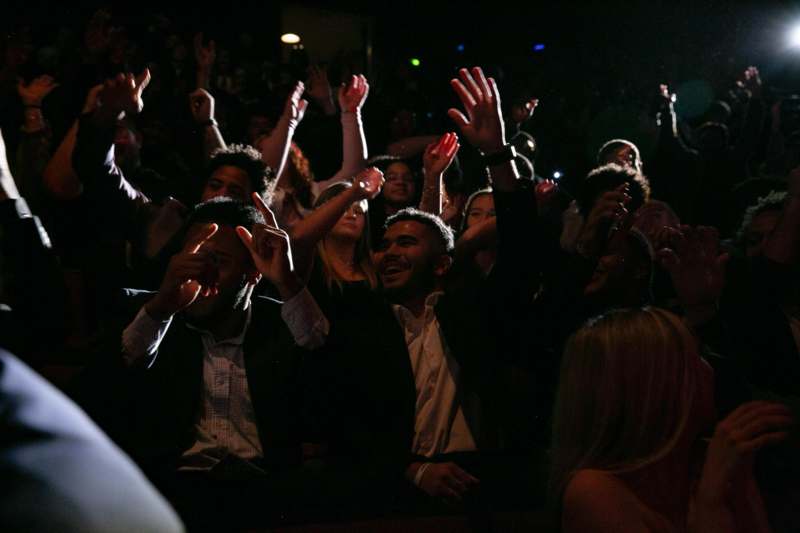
{"type": "Point", "coordinates": [271, 250]}
{"type": "Point", "coordinates": [204, 55]}
{"type": "Point", "coordinates": [123, 94]}
{"type": "Point", "coordinates": [295, 108]}
{"type": "Point", "coordinates": [483, 124]}
{"type": "Point", "coordinates": [607, 210]}
{"type": "Point", "coordinates": [90, 104]}
{"type": "Point", "coordinates": [736, 439]}
{"type": "Point", "coordinates": [545, 191]}
{"type": "Point", "coordinates": [751, 81]}
{"type": "Point", "coordinates": [439, 155]}
{"type": "Point", "coordinates": [201, 104]}
{"type": "Point", "coordinates": [353, 94]}
{"type": "Point", "coordinates": [368, 183]}
{"type": "Point", "coordinates": [34, 93]}
{"type": "Point", "coordinates": [319, 88]}
{"type": "Point", "coordinates": [190, 273]}
{"type": "Point", "coordinates": [694, 263]}
{"type": "Point", "coordinates": [523, 113]}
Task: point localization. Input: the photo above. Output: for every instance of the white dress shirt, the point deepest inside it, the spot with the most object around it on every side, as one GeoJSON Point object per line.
{"type": "Point", "coordinates": [440, 425]}
{"type": "Point", "coordinates": [226, 423]}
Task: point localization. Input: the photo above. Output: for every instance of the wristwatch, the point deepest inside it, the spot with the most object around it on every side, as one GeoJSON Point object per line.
{"type": "Point", "coordinates": [505, 154]}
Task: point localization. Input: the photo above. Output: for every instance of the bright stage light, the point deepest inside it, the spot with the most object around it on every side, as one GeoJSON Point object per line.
{"type": "Point", "coordinates": [415, 62]}
{"type": "Point", "coordinates": [557, 174]}
{"type": "Point", "coordinates": [290, 38]}
{"type": "Point", "coordinates": [794, 36]}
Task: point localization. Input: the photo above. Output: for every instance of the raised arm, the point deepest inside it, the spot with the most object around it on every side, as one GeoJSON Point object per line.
{"type": "Point", "coordinates": [308, 232]}
{"type": "Point", "coordinates": [274, 147]}
{"type": "Point", "coordinates": [354, 143]}
{"type": "Point", "coordinates": [437, 159]}
{"type": "Point", "coordinates": [34, 147]}
{"type": "Point", "coordinates": [93, 158]}
{"type": "Point", "coordinates": [483, 126]}
{"type": "Point", "coordinates": [204, 57]}
{"type": "Point", "coordinates": [60, 178]}
{"type": "Point", "coordinates": [201, 104]}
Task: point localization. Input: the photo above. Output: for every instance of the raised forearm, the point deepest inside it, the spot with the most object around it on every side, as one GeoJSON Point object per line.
{"type": "Point", "coordinates": [212, 139]}
{"type": "Point", "coordinates": [59, 177]}
{"type": "Point", "coordinates": [431, 201]}
{"type": "Point", "coordinates": [782, 245]}
{"type": "Point", "coordinates": [275, 147]}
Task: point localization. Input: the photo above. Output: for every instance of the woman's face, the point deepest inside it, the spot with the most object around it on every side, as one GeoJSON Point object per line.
{"type": "Point", "coordinates": [351, 224]}
{"type": "Point", "coordinates": [482, 208]}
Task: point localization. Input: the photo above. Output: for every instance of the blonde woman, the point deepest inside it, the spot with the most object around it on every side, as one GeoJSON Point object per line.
{"type": "Point", "coordinates": [634, 399]}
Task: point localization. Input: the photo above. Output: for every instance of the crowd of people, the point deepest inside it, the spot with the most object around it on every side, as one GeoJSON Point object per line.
{"type": "Point", "coordinates": [282, 321]}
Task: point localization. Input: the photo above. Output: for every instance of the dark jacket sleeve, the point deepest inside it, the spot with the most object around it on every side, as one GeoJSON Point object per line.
{"type": "Point", "coordinates": [120, 207]}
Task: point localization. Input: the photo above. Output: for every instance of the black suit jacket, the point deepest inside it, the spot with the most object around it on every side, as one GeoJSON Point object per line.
{"type": "Point", "coordinates": [368, 383]}
{"type": "Point", "coordinates": [154, 409]}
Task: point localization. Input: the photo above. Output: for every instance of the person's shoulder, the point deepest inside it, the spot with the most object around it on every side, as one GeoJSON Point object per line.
{"type": "Point", "coordinates": [596, 500]}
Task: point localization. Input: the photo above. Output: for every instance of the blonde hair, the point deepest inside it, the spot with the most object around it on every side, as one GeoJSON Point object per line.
{"type": "Point", "coordinates": [625, 394]}
{"type": "Point", "coordinates": [363, 258]}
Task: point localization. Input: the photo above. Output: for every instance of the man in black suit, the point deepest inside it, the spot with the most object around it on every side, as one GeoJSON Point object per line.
{"type": "Point", "coordinates": [419, 384]}
{"type": "Point", "coordinates": [214, 373]}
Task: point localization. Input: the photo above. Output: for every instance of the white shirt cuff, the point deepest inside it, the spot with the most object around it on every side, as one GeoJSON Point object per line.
{"type": "Point", "coordinates": [305, 320]}
{"type": "Point", "coordinates": [141, 338]}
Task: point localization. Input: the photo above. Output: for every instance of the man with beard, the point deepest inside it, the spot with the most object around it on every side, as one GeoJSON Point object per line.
{"type": "Point", "coordinates": [216, 372]}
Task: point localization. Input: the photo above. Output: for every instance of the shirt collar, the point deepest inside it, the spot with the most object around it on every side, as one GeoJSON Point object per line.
{"type": "Point", "coordinates": [238, 340]}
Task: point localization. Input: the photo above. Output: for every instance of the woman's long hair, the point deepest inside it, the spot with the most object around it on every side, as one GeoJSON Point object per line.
{"type": "Point", "coordinates": [625, 394]}
{"type": "Point", "coordinates": [362, 258]}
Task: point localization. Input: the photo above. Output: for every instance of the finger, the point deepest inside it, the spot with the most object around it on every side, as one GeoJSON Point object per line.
{"type": "Point", "coordinates": [247, 238]}
{"type": "Point", "coordinates": [262, 206]}
{"type": "Point", "coordinates": [143, 80]}
{"type": "Point", "coordinates": [765, 440]}
{"type": "Point", "coordinates": [743, 411]}
{"type": "Point", "coordinates": [495, 91]}
{"type": "Point", "coordinates": [301, 106]}
{"type": "Point", "coordinates": [463, 94]}
{"type": "Point", "coordinates": [762, 412]}
{"type": "Point", "coordinates": [459, 118]}
{"type": "Point", "coordinates": [766, 424]}
{"type": "Point", "coordinates": [470, 84]}
{"type": "Point", "coordinates": [477, 73]}
{"type": "Point", "coordinates": [464, 476]}
{"type": "Point", "coordinates": [205, 233]}
{"type": "Point", "coordinates": [456, 484]}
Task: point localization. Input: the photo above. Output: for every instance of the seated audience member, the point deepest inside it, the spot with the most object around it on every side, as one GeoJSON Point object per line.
{"type": "Point", "coordinates": [331, 245]}
{"type": "Point", "coordinates": [478, 235]}
{"type": "Point", "coordinates": [60, 472]}
{"type": "Point", "coordinates": [216, 426]}
{"type": "Point", "coordinates": [761, 301]}
{"type": "Point", "coordinates": [627, 428]}
{"type": "Point", "coordinates": [419, 389]}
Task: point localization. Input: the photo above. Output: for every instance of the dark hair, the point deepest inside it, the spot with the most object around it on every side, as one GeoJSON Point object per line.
{"type": "Point", "coordinates": [443, 232]}
{"type": "Point", "coordinates": [225, 212]}
{"type": "Point", "coordinates": [247, 158]}
{"type": "Point", "coordinates": [607, 178]}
